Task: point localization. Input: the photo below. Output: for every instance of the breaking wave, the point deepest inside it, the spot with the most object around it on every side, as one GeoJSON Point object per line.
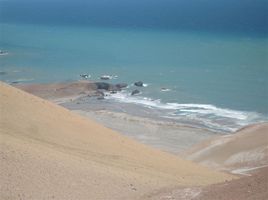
{"type": "Point", "coordinates": [200, 115]}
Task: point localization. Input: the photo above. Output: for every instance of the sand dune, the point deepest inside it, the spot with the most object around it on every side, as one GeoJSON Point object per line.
{"type": "Point", "coordinates": [253, 187]}
{"type": "Point", "coordinates": [246, 188]}
{"type": "Point", "coordinates": [48, 152]}
{"type": "Point", "coordinates": [239, 153]}
{"type": "Point", "coordinates": [244, 153]}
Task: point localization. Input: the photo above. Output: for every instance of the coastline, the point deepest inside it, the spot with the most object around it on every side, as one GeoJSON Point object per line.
{"type": "Point", "coordinates": [57, 141]}
{"type": "Point", "coordinates": [166, 136]}
{"type": "Point", "coordinates": [133, 100]}
{"type": "Point", "coordinates": [116, 96]}
{"type": "Point", "coordinates": [52, 152]}
{"type": "Point", "coordinates": [141, 123]}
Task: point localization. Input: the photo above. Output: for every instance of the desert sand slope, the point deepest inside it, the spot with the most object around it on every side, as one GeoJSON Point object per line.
{"type": "Point", "coordinates": [253, 187]}
{"type": "Point", "coordinates": [48, 152]}
{"type": "Point", "coordinates": [241, 152]}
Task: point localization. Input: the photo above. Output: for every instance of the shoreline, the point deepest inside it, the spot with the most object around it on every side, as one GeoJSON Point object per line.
{"type": "Point", "coordinates": [164, 134]}
{"type": "Point", "coordinates": [69, 147]}
{"type": "Point", "coordinates": [84, 98]}
{"type": "Point", "coordinates": [50, 144]}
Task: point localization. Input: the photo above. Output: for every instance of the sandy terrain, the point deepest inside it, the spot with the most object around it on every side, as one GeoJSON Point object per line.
{"type": "Point", "coordinates": [48, 152]}
{"type": "Point", "coordinates": [244, 154]}
{"type": "Point", "coordinates": [239, 153]}
{"type": "Point", "coordinates": [253, 187]}
{"type": "Point", "coordinates": [164, 135]}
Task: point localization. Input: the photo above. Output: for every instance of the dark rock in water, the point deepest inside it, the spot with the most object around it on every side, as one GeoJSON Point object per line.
{"type": "Point", "coordinates": [139, 84]}
{"type": "Point", "coordinates": [103, 86]}
{"type": "Point", "coordinates": [110, 87]}
{"type": "Point", "coordinates": [101, 98]}
{"type": "Point", "coordinates": [15, 82]}
{"type": "Point", "coordinates": [113, 92]}
{"type": "Point", "coordinates": [118, 87]}
{"type": "Point", "coordinates": [104, 78]}
{"type": "Point", "coordinates": [3, 73]}
{"type": "Point", "coordinates": [135, 92]}
{"type": "Point", "coordinates": [3, 52]}
{"type": "Point", "coordinates": [121, 85]}
{"type": "Point", "coordinates": [114, 88]}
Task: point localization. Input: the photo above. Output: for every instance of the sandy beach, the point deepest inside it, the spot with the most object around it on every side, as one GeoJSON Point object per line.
{"type": "Point", "coordinates": [50, 152]}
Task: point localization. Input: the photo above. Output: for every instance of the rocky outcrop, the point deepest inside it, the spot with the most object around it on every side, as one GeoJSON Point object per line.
{"type": "Point", "coordinates": [121, 85]}
{"type": "Point", "coordinates": [135, 92]}
{"type": "Point", "coordinates": [100, 93]}
{"type": "Point", "coordinates": [110, 87]}
{"type": "Point", "coordinates": [103, 86]}
{"type": "Point", "coordinates": [139, 84]}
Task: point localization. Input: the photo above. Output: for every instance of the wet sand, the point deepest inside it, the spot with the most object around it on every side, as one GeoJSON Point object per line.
{"type": "Point", "coordinates": [166, 136]}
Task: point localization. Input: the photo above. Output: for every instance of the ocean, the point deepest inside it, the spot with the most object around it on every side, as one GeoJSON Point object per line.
{"type": "Point", "coordinates": [211, 73]}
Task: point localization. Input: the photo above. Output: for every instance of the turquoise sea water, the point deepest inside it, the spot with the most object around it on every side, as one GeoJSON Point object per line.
{"type": "Point", "coordinates": [218, 78]}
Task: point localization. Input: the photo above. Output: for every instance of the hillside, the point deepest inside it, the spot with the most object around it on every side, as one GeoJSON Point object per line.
{"type": "Point", "coordinates": [49, 152]}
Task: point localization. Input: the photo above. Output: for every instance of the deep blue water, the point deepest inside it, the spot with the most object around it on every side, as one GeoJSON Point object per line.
{"type": "Point", "coordinates": [212, 55]}
{"type": "Point", "coordinates": [228, 16]}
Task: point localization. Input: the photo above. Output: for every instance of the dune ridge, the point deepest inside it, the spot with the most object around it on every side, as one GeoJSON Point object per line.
{"type": "Point", "coordinates": [43, 144]}
{"type": "Point", "coordinates": [239, 153]}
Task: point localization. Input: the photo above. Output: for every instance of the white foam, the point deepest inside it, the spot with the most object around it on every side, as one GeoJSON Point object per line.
{"type": "Point", "coordinates": [145, 84]}
{"type": "Point", "coordinates": [165, 90]}
{"type": "Point", "coordinates": [108, 77]}
{"type": "Point", "coordinates": [208, 115]}
{"type": "Point", "coordinates": [20, 80]}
